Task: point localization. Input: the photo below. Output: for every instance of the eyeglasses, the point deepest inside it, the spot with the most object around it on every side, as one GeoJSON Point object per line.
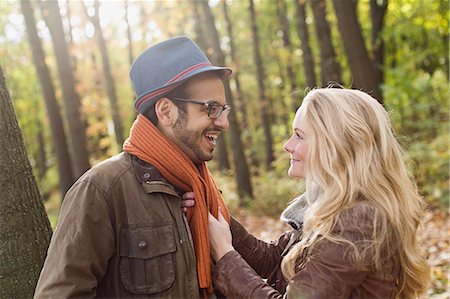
{"type": "Point", "coordinates": [214, 108]}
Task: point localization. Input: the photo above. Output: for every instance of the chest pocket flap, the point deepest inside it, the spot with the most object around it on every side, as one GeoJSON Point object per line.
{"type": "Point", "coordinates": [147, 258]}
{"type": "Point", "coordinates": [147, 242]}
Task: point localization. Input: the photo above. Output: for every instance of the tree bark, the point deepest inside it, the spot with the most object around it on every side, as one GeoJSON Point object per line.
{"type": "Point", "coordinates": [377, 12]}
{"type": "Point", "coordinates": [25, 230]}
{"type": "Point", "coordinates": [130, 39]}
{"type": "Point", "coordinates": [109, 80]}
{"type": "Point", "coordinates": [240, 162]}
{"type": "Point", "coordinates": [240, 103]}
{"type": "Point", "coordinates": [284, 26]}
{"type": "Point", "coordinates": [70, 44]}
{"type": "Point", "coordinates": [77, 125]}
{"type": "Point", "coordinates": [56, 123]}
{"type": "Point", "coordinates": [330, 69]}
{"type": "Point", "coordinates": [198, 22]}
{"type": "Point", "coordinates": [303, 36]}
{"type": "Point", "coordinates": [268, 145]}
{"type": "Point", "coordinates": [362, 67]}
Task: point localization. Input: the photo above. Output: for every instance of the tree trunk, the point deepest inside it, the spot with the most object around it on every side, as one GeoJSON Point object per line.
{"type": "Point", "coordinates": [130, 39]}
{"type": "Point", "coordinates": [198, 26]}
{"type": "Point", "coordinates": [240, 162]}
{"type": "Point", "coordinates": [144, 19]}
{"type": "Point", "coordinates": [330, 69]}
{"type": "Point", "coordinates": [206, 37]}
{"type": "Point", "coordinates": [284, 26]}
{"type": "Point", "coordinates": [25, 230]}
{"type": "Point", "coordinates": [109, 80]}
{"type": "Point", "coordinates": [377, 12]}
{"type": "Point", "coordinates": [303, 36]}
{"type": "Point", "coordinates": [443, 9]}
{"type": "Point", "coordinates": [70, 37]}
{"type": "Point", "coordinates": [56, 123]}
{"type": "Point", "coordinates": [362, 67]}
{"type": "Point", "coordinates": [240, 103]}
{"type": "Point", "coordinates": [268, 146]}
{"type": "Point", "coordinates": [77, 125]}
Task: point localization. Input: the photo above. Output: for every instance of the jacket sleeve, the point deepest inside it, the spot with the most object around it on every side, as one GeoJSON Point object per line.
{"type": "Point", "coordinates": [80, 247]}
{"type": "Point", "coordinates": [234, 278]}
{"type": "Point", "coordinates": [261, 256]}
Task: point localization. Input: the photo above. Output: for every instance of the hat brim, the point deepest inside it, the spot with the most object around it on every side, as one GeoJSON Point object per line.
{"type": "Point", "coordinates": [149, 98]}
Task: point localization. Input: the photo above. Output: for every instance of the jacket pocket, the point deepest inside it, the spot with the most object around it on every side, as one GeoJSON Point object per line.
{"type": "Point", "coordinates": [147, 258]}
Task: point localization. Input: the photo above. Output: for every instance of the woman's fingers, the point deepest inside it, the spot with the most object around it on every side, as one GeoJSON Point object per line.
{"type": "Point", "coordinates": [220, 216]}
{"type": "Point", "coordinates": [188, 195]}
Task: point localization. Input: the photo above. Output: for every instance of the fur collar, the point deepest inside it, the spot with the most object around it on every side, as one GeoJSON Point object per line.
{"type": "Point", "coordinates": [293, 214]}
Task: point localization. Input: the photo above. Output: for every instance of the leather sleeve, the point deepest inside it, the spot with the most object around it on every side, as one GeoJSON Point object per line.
{"type": "Point", "coordinates": [234, 278]}
{"type": "Point", "coordinates": [261, 256]}
{"type": "Point", "coordinates": [81, 246]}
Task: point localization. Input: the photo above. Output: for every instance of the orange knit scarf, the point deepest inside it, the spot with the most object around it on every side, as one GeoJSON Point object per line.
{"type": "Point", "coordinates": [150, 145]}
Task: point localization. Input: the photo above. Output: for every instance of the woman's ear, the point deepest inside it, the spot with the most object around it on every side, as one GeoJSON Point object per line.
{"type": "Point", "coordinates": [166, 112]}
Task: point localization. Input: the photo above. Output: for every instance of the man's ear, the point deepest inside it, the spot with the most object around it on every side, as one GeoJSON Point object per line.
{"type": "Point", "coordinates": [166, 112]}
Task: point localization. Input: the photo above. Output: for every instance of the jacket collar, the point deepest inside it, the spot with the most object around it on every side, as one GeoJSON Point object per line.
{"type": "Point", "coordinates": [293, 214]}
{"type": "Point", "coordinates": [150, 178]}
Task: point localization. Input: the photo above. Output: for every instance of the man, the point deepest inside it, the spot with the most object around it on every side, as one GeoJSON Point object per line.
{"type": "Point", "coordinates": [121, 232]}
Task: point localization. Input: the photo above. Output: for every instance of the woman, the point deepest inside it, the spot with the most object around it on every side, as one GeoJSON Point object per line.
{"type": "Point", "coordinates": [357, 220]}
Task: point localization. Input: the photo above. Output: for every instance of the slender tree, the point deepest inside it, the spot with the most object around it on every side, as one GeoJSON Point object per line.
{"type": "Point", "coordinates": [130, 39]}
{"type": "Point", "coordinates": [205, 38]}
{"type": "Point", "coordinates": [330, 69]}
{"type": "Point", "coordinates": [25, 230]}
{"type": "Point", "coordinates": [198, 25]}
{"type": "Point", "coordinates": [377, 13]}
{"type": "Point", "coordinates": [303, 36]}
{"type": "Point", "coordinates": [240, 103]}
{"type": "Point", "coordinates": [72, 103]}
{"type": "Point", "coordinates": [56, 123]}
{"type": "Point", "coordinates": [268, 144]}
{"type": "Point", "coordinates": [362, 67]}
{"type": "Point", "coordinates": [240, 161]}
{"type": "Point", "coordinates": [143, 24]}
{"type": "Point", "coordinates": [284, 26]}
{"type": "Point", "coordinates": [109, 80]}
{"type": "Point", "coordinates": [70, 43]}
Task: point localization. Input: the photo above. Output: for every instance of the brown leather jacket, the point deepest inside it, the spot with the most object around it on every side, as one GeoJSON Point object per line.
{"type": "Point", "coordinates": [327, 273]}
{"type": "Point", "coordinates": [121, 233]}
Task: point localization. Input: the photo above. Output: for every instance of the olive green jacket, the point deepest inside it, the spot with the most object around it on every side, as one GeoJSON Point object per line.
{"type": "Point", "coordinates": [121, 233]}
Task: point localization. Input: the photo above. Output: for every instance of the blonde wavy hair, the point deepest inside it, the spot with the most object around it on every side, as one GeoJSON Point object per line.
{"type": "Point", "coordinates": [353, 157]}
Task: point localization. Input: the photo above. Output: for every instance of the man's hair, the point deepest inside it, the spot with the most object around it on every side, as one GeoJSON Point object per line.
{"type": "Point", "coordinates": [179, 92]}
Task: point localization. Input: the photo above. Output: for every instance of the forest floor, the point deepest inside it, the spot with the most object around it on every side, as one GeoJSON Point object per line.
{"type": "Point", "coordinates": [434, 236]}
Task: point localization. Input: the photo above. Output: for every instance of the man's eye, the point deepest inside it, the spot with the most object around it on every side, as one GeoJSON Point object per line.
{"type": "Point", "coordinates": [214, 108]}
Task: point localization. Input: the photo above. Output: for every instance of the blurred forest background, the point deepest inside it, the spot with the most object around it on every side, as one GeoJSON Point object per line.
{"type": "Point", "coordinates": [66, 65]}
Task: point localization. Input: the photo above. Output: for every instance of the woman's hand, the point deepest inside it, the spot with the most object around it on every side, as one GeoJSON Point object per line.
{"type": "Point", "coordinates": [219, 236]}
{"type": "Point", "coordinates": [187, 201]}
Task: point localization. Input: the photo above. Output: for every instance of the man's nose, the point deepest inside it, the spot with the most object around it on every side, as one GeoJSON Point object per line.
{"type": "Point", "coordinates": [222, 121]}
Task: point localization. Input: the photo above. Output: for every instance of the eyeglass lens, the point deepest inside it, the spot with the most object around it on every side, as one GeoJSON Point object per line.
{"type": "Point", "coordinates": [215, 110]}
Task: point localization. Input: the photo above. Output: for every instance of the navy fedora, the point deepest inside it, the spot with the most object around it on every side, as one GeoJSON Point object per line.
{"type": "Point", "coordinates": [164, 66]}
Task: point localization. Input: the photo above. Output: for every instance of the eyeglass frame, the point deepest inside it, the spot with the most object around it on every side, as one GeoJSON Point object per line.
{"type": "Point", "coordinates": [207, 104]}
